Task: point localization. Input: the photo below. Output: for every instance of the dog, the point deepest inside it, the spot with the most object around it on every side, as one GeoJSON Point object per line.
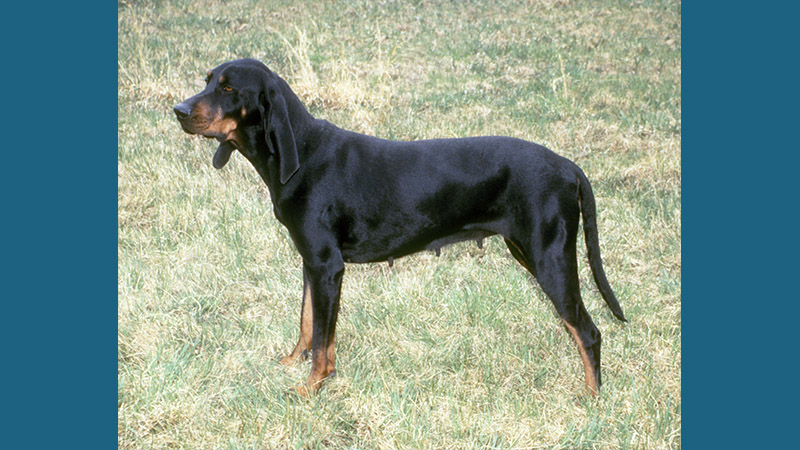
{"type": "Point", "coordinates": [346, 197]}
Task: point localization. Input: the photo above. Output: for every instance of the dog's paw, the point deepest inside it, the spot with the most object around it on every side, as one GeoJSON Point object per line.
{"type": "Point", "coordinates": [292, 359]}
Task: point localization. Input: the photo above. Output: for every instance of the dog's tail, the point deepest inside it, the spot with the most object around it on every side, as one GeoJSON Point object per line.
{"type": "Point", "coordinates": [589, 212]}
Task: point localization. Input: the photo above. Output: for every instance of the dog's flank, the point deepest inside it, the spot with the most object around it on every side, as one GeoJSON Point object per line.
{"type": "Point", "coordinates": [348, 197]}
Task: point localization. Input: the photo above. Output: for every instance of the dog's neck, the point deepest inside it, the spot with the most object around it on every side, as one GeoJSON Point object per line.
{"type": "Point", "coordinates": [306, 130]}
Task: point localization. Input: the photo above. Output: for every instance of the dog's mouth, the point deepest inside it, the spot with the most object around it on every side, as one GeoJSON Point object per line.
{"type": "Point", "coordinates": [188, 126]}
{"type": "Point", "coordinates": [199, 127]}
{"type": "Point", "coordinates": [226, 142]}
{"type": "Point", "coordinates": [221, 129]}
{"type": "Point", "coordinates": [219, 136]}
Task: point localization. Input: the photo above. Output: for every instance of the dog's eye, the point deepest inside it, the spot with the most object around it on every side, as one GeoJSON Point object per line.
{"type": "Point", "coordinates": [227, 88]}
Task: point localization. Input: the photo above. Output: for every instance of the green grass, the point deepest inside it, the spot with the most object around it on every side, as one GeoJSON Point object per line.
{"type": "Point", "coordinates": [460, 351]}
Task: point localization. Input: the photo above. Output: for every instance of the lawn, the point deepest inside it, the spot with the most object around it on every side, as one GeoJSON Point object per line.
{"type": "Point", "coordinates": [457, 351]}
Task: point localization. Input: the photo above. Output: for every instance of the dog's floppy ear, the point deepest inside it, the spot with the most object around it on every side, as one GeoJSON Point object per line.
{"type": "Point", "coordinates": [278, 131]}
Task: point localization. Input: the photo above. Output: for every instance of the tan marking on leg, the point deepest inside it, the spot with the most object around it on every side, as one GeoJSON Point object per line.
{"type": "Point", "coordinates": [319, 366]}
{"type": "Point", "coordinates": [307, 319]}
{"type": "Point", "coordinates": [306, 330]}
{"type": "Point", "coordinates": [591, 383]}
{"type": "Point", "coordinates": [331, 354]}
{"type": "Point", "coordinates": [522, 260]}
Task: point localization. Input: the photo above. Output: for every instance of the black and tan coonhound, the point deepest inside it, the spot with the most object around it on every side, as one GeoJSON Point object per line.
{"type": "Point", "coordinates": [348, 197]}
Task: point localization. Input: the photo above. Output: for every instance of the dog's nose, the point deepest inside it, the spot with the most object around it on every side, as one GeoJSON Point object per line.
{"type": "Point", "coordinates": [182, 110]}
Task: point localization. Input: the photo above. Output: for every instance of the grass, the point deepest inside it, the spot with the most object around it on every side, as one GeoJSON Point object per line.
{"type": "Point", "coordinates": [459, 351]}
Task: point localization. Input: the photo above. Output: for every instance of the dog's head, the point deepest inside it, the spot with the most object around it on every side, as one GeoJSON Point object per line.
{"type": "Point", "coordinates": [243, 95]}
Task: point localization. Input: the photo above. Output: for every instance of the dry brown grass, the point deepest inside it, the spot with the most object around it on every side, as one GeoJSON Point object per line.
{"type": "Point", "coordinates": [460, 351]}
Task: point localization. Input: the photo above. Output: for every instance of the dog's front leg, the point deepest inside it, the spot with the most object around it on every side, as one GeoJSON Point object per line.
{"type": "Point", "coordinates": [325, 280]}
{"type": "Point", "coordinates": [303, 346]}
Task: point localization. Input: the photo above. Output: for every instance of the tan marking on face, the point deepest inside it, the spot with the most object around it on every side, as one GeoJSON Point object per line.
{"type": "Point", "coordinates": [588, 370]}
{"type": "Point", "coordinates": [201, 110]}
{"type": "Point", "coordinates": [221, 125]}
{"type": "Point", "coordinates": [244, 112]}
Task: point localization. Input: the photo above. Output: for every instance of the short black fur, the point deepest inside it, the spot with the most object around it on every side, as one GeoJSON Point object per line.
{"type": "Point", "coordinates": [348, 197]}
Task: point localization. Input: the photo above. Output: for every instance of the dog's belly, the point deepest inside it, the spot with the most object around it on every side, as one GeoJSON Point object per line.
{"type": "Point", "coordinates": [379, 250]}
{"type": "Point", "coordinates": [399, 225]}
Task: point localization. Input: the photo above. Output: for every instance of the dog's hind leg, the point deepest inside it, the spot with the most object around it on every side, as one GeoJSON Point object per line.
{"type": "Point", "coordinates": [550, 256]}
{"type": "Point", "coordinates": [518, 254]}
{"type": "Point", "coordinates": [558, 276]}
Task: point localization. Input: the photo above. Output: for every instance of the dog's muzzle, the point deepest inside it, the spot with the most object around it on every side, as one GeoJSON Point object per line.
{"type": "Point", "coordinates": [183, 112]}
